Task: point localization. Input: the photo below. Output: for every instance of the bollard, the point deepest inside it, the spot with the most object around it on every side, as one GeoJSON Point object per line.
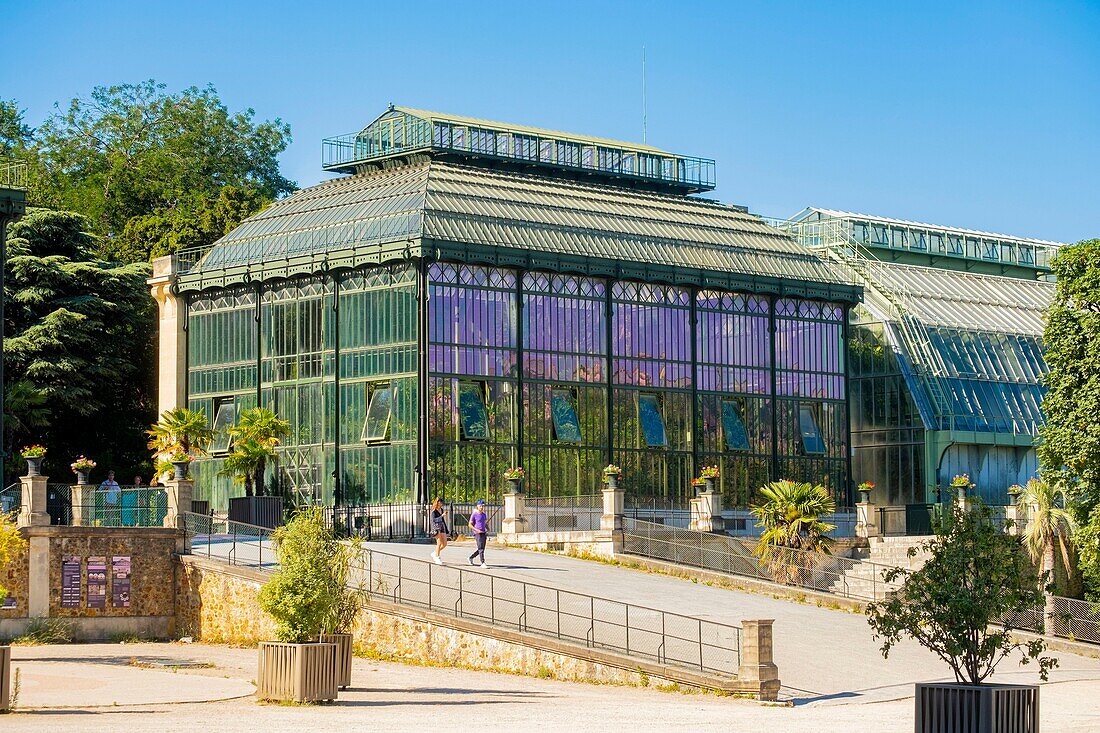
{"type": "Point", "coordinates": [757, 667]}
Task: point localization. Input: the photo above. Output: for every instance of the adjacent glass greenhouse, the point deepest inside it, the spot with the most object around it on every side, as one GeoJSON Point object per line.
{"type": "Point", "coordinates": [946, 352]}
{"type": "Point", "coordinates": [473, 296]}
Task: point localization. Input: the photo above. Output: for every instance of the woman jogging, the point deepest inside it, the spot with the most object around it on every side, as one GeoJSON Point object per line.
{"type": "Point", "coordinates": [479, 523]}
{"type": "Point", "coordinates": [439, 529]}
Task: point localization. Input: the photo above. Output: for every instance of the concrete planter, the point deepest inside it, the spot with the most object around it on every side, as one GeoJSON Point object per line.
{"type": "Point", "coordinates": [179, 470]}
{"type": "Point", "coordinates": [34, 465]}
{"type": "Point", "coordinates": [343, 656]}
{"type": "Point", "coordinates": [5, 678]}
{"type": "Point", "coordinates": [297, 672]}
{"type": "Point", "coordinates": [955, 708]}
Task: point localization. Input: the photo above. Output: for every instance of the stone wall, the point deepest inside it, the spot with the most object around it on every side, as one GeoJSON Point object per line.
{"type": "Point", "coordinates": [217, 603]}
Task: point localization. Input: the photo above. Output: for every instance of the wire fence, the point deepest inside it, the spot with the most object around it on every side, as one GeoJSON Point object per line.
{"type": "Point", "coordinates": [627, 628]}
{"type": "Point", "coordinates": [11, 499]}
{"type": "Point", "coordinates": [563, 513]}
{"type": "Point", "coordinates": [845, 577]}
{"type": "Point", "coordinates": [120, 507]}
{"type": "Point", "coordinates": [405, 522]}
{"type": "Point", "coordinates": [658, 510]}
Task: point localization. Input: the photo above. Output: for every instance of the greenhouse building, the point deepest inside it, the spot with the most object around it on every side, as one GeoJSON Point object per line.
{"type": "Point", "coordinates": [946, 354]}
{"type": "Point", "coordinates": [466, 296]}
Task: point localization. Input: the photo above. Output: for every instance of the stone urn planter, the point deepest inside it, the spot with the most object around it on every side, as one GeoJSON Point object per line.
{"type": "Point", "coordinates": [515, 485]}
{"type": "Point", "coordinates": [297, 672]}
{"type": "Point", "coordinates": [34, 465]}
{"type": "Point", "coordinates": [864, 496]}
{"type": "Point", "coordinates": [343, 656]}
{"type": "Point", "coordinates": [5, 678]}
{"type": "Point", "coordinates": [708, 485]}
{"type": "Point", "coordinates": [985, 708]}
{"type": "Point", "coordinates": [179, 469]}
{"type": "Point", "coordinates": [82, 478]}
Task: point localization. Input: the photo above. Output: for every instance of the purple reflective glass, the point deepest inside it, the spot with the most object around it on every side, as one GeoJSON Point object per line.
{"type": "Point", "coordinates": [471, 328]}
{"type": "Point", "coordinates": [651, 343]}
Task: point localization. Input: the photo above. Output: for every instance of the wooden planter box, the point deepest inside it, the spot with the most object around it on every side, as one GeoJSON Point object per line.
{"type": "Point", "coordinates": [297, 672]}
{"type": "Point", "coordinates": [260, 511]}
{"type": "Point", "coordinates": [5, 678]}
{"type": "Point", "coordinates": [343, 656]}
{"type": "Point", "coordinates": [955, 708]}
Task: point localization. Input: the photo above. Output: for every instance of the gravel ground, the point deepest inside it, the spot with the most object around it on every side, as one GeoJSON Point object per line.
{"type": "Point", "coordinates": [394, 696]}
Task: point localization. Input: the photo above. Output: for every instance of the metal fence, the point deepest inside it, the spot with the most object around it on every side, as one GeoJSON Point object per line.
{"type": "Point", "coordinates": [121, 507]}
{"type": "Point", "coordinates": [11, 499]}
{"type": "Point", "coordinates": [658, 510]}
{"type": "Point", "coordinates": [563, 513]}
{"type": "Point", "coordinates": [1072, 619]}
{"type": "Point", "coordinates": [405, 522]}
{"type": "Point", "coordinates": [741, 522]}
{"type": "Point", "coordinates": [856, 579]}
{"type": "Point", "coordinates": [596, 622]}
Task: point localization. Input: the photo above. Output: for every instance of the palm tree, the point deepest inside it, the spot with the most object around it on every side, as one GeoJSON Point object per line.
{"type": "Point", "coordinates": [181, 429]}
{"type": "Point", "coordinates": [1048, 523]}
{"type": "Point", "coordinates": [257, 432]}
{"type": "Point", "coordinates": [25, 409]}
{"type": "Point", "coordinates": [793, 532]}
{"type": "Point", "coordinates": [246, 462]}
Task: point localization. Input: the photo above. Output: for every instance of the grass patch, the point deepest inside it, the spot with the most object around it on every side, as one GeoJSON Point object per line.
{"type": "Point", "coordinates": [41, 631]}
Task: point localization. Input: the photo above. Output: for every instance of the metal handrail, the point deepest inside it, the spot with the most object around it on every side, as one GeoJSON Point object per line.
{"type": "Point", "coordinates": [13, 174]}
{"type": "Point", "coordinates": [660, 635]}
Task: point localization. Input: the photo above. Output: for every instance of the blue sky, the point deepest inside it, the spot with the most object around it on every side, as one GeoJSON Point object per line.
{"type": "Point", "coordinates": [973, 114]}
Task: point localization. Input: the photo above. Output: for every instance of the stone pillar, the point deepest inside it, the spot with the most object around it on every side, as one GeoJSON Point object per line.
{"type": "Point", "coordinates": [710, 512]}
{"type": "Point", "coordinates": [33, 510]}
{"type": "Point", "coordinates": [613, 505]}
{"type": "Point", "coordinates": [514, 521]}
{"type": "Point", "coordinates": [172, 338]}
{"type": "Point", "coordinates": [866, 520]}
{"type": "Point", "coordinates": [1015, 514]}
{"type": "Point", "coordinates": [757, 667]}
{"type": "Point", "coordinates": [179, 502]}
{"type": "Point", "coordinates": [83, 505]}
{"type": "Point", "coordinates": [38, 586]}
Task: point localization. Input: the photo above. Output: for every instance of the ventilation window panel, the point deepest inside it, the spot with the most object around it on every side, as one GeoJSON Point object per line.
{"type": "Point", "coordinates": [733, 427]}
{"type": "Point", "coordinates": [563, 412]}
{"type": "Point", "coordinates": [225, 414]}
{"type": "Point", "coordinates": [376, 424]}
{"type": "Point", "coordinates": [473, 419]}
{"type": "Point", "coordinates": [812, 442]}
{"type": "Point", "coordinates": [651, 421]}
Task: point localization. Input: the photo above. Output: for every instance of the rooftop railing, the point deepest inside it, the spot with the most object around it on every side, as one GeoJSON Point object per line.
{"type": "Point", "coordinates": [343, 152]}
{"type": "Point", "coordinates": [13, 174]}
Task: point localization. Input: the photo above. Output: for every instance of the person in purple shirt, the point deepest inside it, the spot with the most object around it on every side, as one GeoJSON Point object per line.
{"type": "Point", "coordinates": [479, 523]}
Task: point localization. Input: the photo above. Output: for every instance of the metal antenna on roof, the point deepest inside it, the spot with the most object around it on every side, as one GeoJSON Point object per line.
{"type": "Point", "coordinates": [643, 97]}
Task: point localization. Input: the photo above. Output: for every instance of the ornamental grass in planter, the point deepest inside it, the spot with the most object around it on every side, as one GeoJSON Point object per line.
{"type": "Point", "coordinates": [339, 624]}
{"type": "Point", "coordinates": [961, 605]}
{"type": "Point", "coordinates": [299, 597]}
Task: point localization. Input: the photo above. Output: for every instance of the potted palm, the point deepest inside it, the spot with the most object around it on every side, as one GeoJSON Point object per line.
{"type": "Point", "coordinates": [181, 434]}
{"type": "Point", "coordinates": [11, 544]}
{"type": "Point", "coordinates": [301, 594]}
{"type": "Point", "coordinates": [962, 605]}
{"type": "Point", "coordinates": [794, 537]}
{"type": "Point", "coordinates": [339, 624]}
{"type": "Point", "coordinates": [34, 455]}
{"type": "Point", "coordinates": [256, 435]}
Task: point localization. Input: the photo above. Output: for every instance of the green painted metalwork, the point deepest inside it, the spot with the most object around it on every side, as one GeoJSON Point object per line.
{"type": "Point", "coordinates": [405, 132]}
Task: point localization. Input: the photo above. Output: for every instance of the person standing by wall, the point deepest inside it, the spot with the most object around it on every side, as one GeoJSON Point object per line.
{"type": "Point", "coordinates": [439, 529]}
{"type": "Point", "coordinates": [479, 523]}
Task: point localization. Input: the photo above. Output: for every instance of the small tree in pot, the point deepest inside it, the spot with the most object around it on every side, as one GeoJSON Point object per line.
{"type": "Point", "coordinates": [338, 626]}
{"type": "Point", "coordinates": [300, 596]}
{"type": "Point", "coordinates": [963, 605]}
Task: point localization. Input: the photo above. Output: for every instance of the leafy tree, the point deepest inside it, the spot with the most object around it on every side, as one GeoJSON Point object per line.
{"type": "Point", "coordinates": [26, 411]}
{"type": "Point", "coordinates": [304, 591]}
{"type": "Point", "coordinates": [1069, 453]}
{"type": "Point", "coordinates": [1048, 524]}
{"type": "Point", "coordinates": [962, 603]}
{"type": "Point", "coordinates": [140, 161]}
{"type": "Point", "coordinates": [255, 436]}
{"type": "Point", "coordinates": [82, 332]}
{"type": "Point", "coordinates": [793, 531]}
{"type": "Point", "coordinates": [15, 134]}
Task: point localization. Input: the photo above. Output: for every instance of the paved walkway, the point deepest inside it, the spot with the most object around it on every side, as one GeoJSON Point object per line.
{"type": "Point", "coordinates": [824, 656]}
{"type": "Point", "coordinates": [386, 696]}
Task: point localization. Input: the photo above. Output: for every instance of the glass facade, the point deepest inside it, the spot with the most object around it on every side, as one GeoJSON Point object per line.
{"type": "Point", "coordinates": [498, 367]}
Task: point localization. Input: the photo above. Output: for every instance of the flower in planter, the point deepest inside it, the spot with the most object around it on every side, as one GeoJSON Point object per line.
{"type": "Point", "coordinates": [612, 470]}
{"type": "Point", "coordinates": [867, 486]}
{"type": "Point", "coordinates": [82, 464]}
{"type": "Point", "coordinates": [698, 482]}
{"type": "Point", "coordinates": [33, 451]}
{"type": "Point", "coordinates": [962, 481]}
{"type": "Point", "coordinates": [181, 457]}
{"type": "Point", "coordinates": [514, 474]}
{"type": "Point", "coordinates": [709, 472]}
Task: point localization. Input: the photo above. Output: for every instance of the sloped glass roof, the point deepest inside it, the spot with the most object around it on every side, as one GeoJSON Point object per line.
{"type": "Point", "coordinates": [971, 344]}
{"type": "Point", "coordinates": [435, 201]}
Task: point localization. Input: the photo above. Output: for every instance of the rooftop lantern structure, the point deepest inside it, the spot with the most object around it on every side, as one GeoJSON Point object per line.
{"type": "Point", "coordinates": [472, 296]}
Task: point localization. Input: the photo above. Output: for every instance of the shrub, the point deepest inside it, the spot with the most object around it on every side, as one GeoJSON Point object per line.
{"type": "Point", "coordinates": [304, 590]}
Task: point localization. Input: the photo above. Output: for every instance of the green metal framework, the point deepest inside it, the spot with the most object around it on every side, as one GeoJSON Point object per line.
{"type": "Point", "coordinates": [402, 131]}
